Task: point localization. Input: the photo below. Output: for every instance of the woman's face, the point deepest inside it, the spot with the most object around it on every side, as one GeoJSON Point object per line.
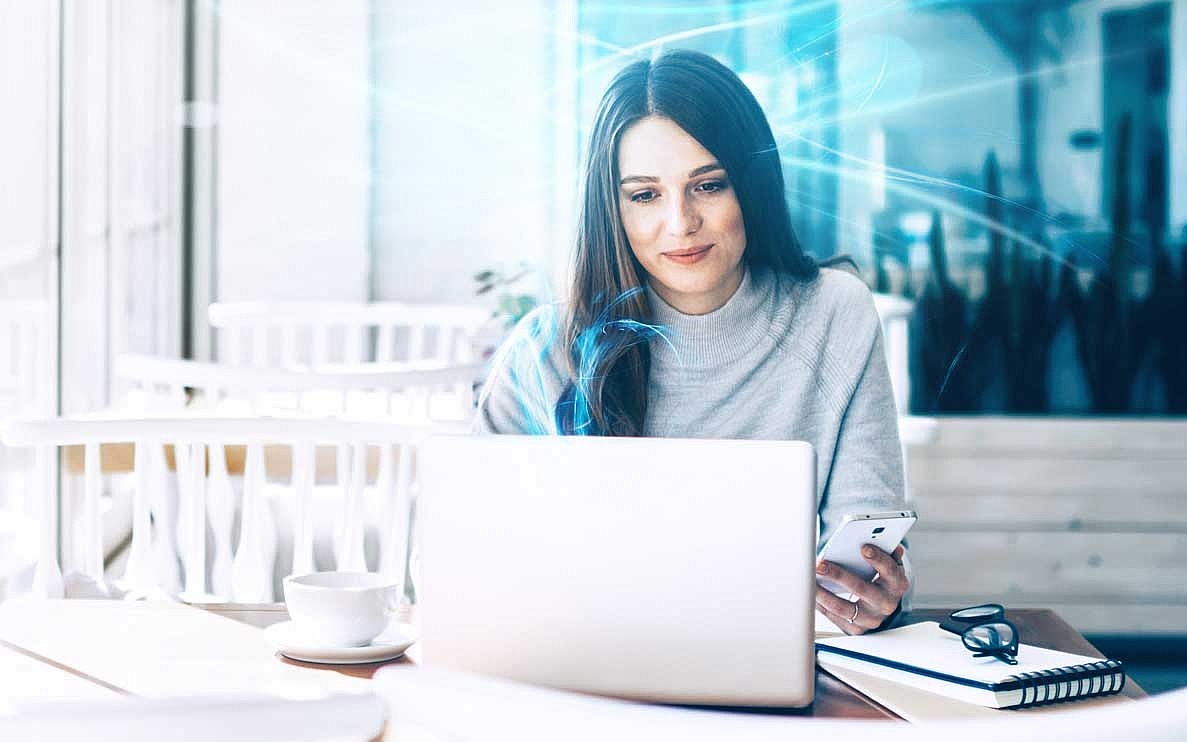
{"type": "Point", "coordinates": [680, 215]}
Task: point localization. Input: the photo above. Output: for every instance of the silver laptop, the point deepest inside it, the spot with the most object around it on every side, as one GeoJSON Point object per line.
{"type": "Point", "coordinates": [668, 570]}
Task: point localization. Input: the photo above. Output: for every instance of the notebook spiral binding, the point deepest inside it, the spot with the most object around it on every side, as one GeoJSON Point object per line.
{"type": "Point", "coordinates": [1055, 686]}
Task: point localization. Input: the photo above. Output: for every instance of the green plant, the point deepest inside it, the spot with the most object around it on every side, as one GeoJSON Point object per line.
{"type": "Point", "coordinates": [510, 304]}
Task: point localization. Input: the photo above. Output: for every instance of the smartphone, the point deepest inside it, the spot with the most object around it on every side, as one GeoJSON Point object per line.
{"type": "Point", "coordinates": [884, 530]}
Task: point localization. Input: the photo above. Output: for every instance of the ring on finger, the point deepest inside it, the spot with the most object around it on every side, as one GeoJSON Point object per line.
{"type": "Point", "coordinates": [856, 608]}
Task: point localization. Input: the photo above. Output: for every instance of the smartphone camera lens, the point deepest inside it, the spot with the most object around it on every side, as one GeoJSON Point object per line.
{"type": "Point", "coordinates": [878, 530]}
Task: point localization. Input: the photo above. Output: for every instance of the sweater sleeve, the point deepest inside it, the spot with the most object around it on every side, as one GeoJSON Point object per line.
{"type": "Point", "coordinates": [524, 381]}
{"type": "Point", "coordinates": [866, 472]}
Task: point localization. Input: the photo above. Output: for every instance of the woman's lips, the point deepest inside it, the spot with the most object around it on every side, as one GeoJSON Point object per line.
{"type": "Point", "coordinates": [688, 256]}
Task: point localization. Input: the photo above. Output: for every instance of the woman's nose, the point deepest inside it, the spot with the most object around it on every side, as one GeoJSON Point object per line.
{"type": "Point", "coordinates": [684, 217]}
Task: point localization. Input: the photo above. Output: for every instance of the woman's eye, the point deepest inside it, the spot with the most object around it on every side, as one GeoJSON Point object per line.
{"type": "Point", "coordinates": [643, 197]}
{"type": "Point", "coordinates": [711, 186]}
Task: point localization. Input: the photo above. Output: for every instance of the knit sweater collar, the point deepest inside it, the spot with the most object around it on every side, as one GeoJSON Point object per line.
{"type": "Point", "coordinates": [721, 336]}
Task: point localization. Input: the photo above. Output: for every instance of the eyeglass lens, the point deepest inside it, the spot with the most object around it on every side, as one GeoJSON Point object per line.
{"type": "Point", "coordinates": [990, 637]}
{"type": "Point", "coordinates": [976, 613]}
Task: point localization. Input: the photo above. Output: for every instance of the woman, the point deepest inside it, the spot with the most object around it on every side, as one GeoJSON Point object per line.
{"type": "Point", "coordinates": [695, 313]}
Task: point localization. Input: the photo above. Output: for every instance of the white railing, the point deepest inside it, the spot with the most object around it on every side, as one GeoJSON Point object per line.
{"type": "Point", "coordinates": [284, 334]}
{"type": "Point", "coordinates": [204, 451]}
{"type": "Point", "coordinates": [25, 350]}
{"type": "Point", "coordinates": [27, 387]}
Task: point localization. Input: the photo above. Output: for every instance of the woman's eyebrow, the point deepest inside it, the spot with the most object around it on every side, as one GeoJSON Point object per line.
{"type": "Point", "coordinates": [706, 169]}
{"type": "Point", "coordinates": [652, 179]}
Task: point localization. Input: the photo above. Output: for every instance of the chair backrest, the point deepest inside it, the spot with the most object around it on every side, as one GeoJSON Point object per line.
{"type": "Point", "coordinates": [202, 452]}
{"type": "Point", "coordinates": [282, 334]}
{"type": "Point", "coordinates": [404, 391]}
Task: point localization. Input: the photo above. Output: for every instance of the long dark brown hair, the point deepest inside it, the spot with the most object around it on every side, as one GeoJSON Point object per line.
{"type": "Point", "coordinates": [605, 327]}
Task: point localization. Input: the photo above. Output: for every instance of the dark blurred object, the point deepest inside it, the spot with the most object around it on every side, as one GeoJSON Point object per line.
{"type": "Point", "coordinates": [990, 325]}
{"type": "Point", "coordinates": [1165, 313]}
{"type": "Point", "coordinates": [1015, 321]}
{"type": "Point", "coordinates": [881, 280]}
{"type": "Point", "coordinates": [1135, 46]}
{"type": "Point", "coordinates": [1105, 322]}
{"type": "Point", "coordinates": [1105, 330]}
{"type": "Point", "coordinates": [942, 382]}
{"type": "Point", "coordinates": [1001, 359]}
{"type": "Point", "coordinates": [1032, 320]}
{"type": "Point", "coordinates": [1085, 140]}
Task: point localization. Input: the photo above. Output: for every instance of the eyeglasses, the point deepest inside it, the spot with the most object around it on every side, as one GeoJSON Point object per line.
{"type": "Point", "coordinates": [985, 631]}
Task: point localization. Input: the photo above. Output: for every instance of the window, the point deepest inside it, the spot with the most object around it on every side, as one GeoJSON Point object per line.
{"type": "Point", "coordinates": [90, 236]}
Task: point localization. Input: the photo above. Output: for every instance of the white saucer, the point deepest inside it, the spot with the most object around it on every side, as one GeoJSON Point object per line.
{"type": "Point", "coordinates": [387, 646]}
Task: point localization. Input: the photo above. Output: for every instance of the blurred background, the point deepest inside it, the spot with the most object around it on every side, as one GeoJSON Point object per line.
{"type": "Point", "coordinates": [1009, 164]}
{"type": "Point", "coordinates": [1009, 167]}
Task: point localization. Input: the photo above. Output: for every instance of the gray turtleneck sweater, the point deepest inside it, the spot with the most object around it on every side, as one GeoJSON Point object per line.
{"type": "Point", "coordinates": [781, 360]}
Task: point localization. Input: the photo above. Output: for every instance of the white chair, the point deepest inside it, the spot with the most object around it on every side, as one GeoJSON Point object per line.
{"type": "Point", "coordinates": [168, 543]}
{"type": "Point", "coordinates": [414, 393]}
{"type": "Point", "coordinates": [284, 334]}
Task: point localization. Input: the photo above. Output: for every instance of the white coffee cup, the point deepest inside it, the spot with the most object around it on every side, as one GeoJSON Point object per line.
{"type": "Point", "coordinates": [341, 609]}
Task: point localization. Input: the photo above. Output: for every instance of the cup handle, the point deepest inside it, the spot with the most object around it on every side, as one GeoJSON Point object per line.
{"type": "Point", "coordinates": [391, 600]}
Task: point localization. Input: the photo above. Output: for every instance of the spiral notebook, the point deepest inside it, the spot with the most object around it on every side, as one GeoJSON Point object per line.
{"type": "Point", "coordinates": [926, 657]}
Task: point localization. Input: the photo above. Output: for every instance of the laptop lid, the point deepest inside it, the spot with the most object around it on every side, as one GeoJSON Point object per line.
{"type": "Point", "coordinates": [657, 569]}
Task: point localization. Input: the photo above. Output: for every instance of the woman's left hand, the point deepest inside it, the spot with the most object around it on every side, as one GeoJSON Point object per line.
{"type": "Point", "coordinates": [874, 601]}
